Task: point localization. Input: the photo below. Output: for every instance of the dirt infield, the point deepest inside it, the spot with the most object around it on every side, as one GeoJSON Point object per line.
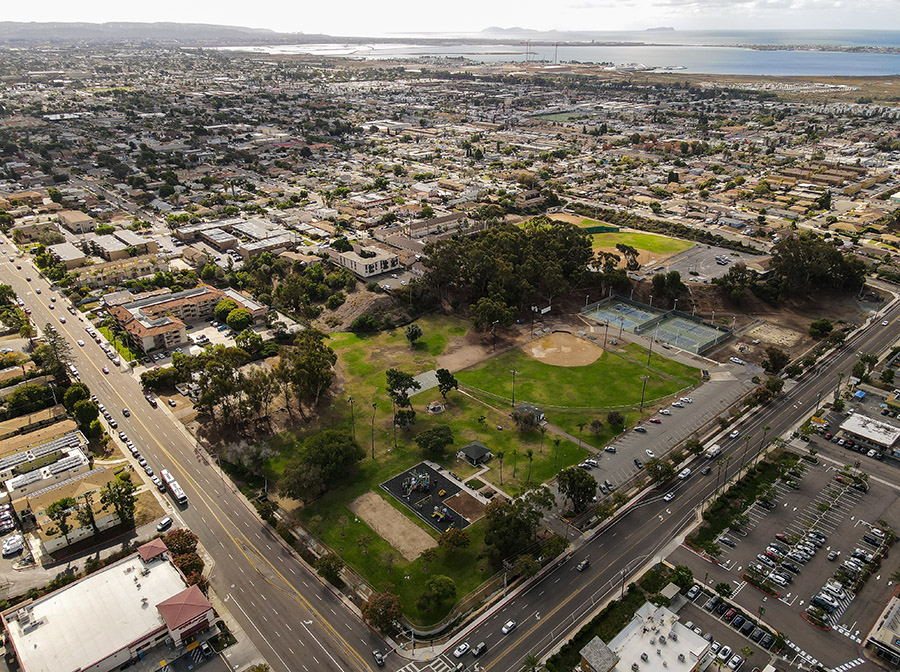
{"type": "Point", "coordinates": [561, 349]}
{"type": "Point", "coordinates": [392, 526]}
{"type": "Point", "coordinates": [466, 506]}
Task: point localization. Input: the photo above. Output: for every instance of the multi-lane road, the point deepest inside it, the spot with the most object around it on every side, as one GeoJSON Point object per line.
{"type": "Point", "coordinates": [295, 621]}
{"type": "Point", "coordinates": [299, 624]}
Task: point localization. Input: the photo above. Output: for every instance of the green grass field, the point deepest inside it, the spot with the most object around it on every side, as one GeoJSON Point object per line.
{"type": "Point", "coordinates": [613, 381]}
{"type": "Point", "coordinates": [649, 242]}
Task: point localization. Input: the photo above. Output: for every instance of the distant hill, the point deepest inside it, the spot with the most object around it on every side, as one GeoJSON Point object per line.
{"type": "Point", "coordinates": [515, 30]}
{"type": "Point", "coordinates": [660, 29]}
{"type": "Point", "coordinates": [18, 32]}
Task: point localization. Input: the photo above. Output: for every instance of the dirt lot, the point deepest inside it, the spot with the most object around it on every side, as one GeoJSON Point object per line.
{"type": "Point", "coordinates": [561, 349]}
{"type": "Point", "coordinates": [392, 526]}
{"type": "Point", "coordinates": [466, 506]}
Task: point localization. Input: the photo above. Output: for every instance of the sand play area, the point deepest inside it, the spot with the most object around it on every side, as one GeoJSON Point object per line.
{"type": "Point", "coordinates": [392, 526]}
{"type": "Point", "coordinates": [562, 349]}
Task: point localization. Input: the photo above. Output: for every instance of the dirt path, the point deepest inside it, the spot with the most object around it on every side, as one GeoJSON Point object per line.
{"type": "Point", "coordinates": [392, 526]}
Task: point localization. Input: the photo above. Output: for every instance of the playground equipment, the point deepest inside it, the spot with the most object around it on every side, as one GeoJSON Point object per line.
{"type": "Point", "coordinates": [416, 483]}
{"type": "Point", "coordinates": [441, 513]}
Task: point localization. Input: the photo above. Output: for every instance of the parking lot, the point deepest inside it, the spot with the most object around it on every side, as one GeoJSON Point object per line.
{"type": "Point", "coordinates": [843, 515]}
{"type": "Point", "coordinates": [712, 617]}
{"type": "Point", "coordinates": [701, 259]}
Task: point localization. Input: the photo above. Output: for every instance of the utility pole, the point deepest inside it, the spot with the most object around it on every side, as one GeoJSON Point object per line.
{"type": "Point", "coordinates": [513, 372]}
{"type": "Point", "coordinates": [643, 389]}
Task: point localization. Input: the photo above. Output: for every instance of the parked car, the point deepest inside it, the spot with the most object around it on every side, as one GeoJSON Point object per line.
{"type": "Point", "coordinates": [164, 524]}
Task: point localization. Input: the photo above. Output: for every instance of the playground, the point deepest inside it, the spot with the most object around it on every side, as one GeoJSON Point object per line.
{"type": "Point", "coordinates": [429, 495]}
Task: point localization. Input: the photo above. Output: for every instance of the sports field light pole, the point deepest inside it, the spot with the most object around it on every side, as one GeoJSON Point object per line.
{"type": "Point", "coordinates": [374, 407]}
{"type": "Point", "coordinates": [643, 389]}
{"type": "Point", "coordinates": [513, 372]}
{"type": "Point", "coordinates": [352, 419]}
{"type": "Point", "coordinates": [605, 335]}
{"type": "Point", "coordinates": [651, 300]}
{"type": "Point", "coordinates": [621, 326]}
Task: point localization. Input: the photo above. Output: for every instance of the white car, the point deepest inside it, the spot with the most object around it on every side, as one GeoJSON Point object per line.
{"type": "Point", "coordinates": [461, 650]}
{"type": "Point", "coordinates": [724, 653]}
{"type": "Point", "coordinates": [687, 400]}
{"type": "Point", "coordinates": [650, 453]}
{"type": "Point", "coordinates": [737, 360]}
{"type": "Point", "coordinates": [669, 496]}
{"type": "Point", "coordinates": [508, 627]}
{"type": "Point", "coordinates": [665, 411]}
{"type": "Point", "coordinates": [884, 324]}
{"type": "Point", "coordinates": [735, 434]}
{"type": "Point", "coordinates": [80, 342]}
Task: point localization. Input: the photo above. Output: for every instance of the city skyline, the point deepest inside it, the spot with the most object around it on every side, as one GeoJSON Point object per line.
{"type": "Point", "coordinates": [404, 16]}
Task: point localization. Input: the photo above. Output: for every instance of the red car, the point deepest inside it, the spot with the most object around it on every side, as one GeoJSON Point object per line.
{"type": "Point", "coordinates": [828, 436]}
{"type": "Point", "coordinates": [782, 537]}
{"type": "Point", "coordinates": [655, 420]}
{"type": "Point", "coordinates": [729, 615]}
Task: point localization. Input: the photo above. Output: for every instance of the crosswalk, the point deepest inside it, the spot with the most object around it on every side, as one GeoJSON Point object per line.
{"type": "Point", "coordinates": [802, 654]}
{"type": "Point", "coordinates": [833, 618]}
{"type": "Point", "coordinates": [848, 666]}
{"type": "Point", "coordinates": [436, 665]}
{"type": "Point", "coordinates": [846, 633]}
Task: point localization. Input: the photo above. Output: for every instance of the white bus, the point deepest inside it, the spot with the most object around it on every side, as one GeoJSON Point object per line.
{"type": "Point", "coordinates": [173, 487]}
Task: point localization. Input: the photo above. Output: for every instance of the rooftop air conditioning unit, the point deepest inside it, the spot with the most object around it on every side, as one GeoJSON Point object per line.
{"type": "Point", "coordinates": [680, 657]}
{"type": "Point", "coordinates": [645, 657]}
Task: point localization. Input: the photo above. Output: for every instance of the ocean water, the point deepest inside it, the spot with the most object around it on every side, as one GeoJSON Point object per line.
{"type": "Point", "coordinates": [692, 52]}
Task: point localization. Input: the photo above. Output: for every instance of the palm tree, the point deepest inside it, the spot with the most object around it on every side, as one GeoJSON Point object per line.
{"type": "Point", "coordinates": [530, 455]}
{"type": "Point", "coordinates": [580, 430]}
{"type": "Point", "coordinates": [543, 431]}
{"type": "Point", "coordinates": [762, 446]}
{"type": "Point", "coordinates": [515, 454]}
{"type": "Point", "coordinates": [556, 442]}
{"type": "Point", "coordinates": [500, 455]}
{"type": "Point", "coordinates": [531, 663]}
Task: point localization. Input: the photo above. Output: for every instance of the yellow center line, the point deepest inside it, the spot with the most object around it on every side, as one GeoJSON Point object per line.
{"type": "Point", "coordinates": [578, 593]}
{"type": "Point", "coordinates": [298, 597]}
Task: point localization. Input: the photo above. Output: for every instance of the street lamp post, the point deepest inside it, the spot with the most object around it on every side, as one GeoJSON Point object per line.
{"type": "Point", "coordinates": [651, 300]}
{"type": "Point", "coordinates": [513, 372]}
{"type": "Point", "coordinates": [643, 389]}
{"type": "Point", "coordinates": [494, 333]}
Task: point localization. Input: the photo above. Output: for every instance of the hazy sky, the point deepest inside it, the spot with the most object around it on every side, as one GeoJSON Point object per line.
{"type": "Point", "coordinates": [381, 17]}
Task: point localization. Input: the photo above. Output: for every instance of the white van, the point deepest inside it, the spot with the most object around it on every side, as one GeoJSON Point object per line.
{"type": "Point", "coordinates": [13, 544]}
{"type": "Point", "coordinates": [684, 473]}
